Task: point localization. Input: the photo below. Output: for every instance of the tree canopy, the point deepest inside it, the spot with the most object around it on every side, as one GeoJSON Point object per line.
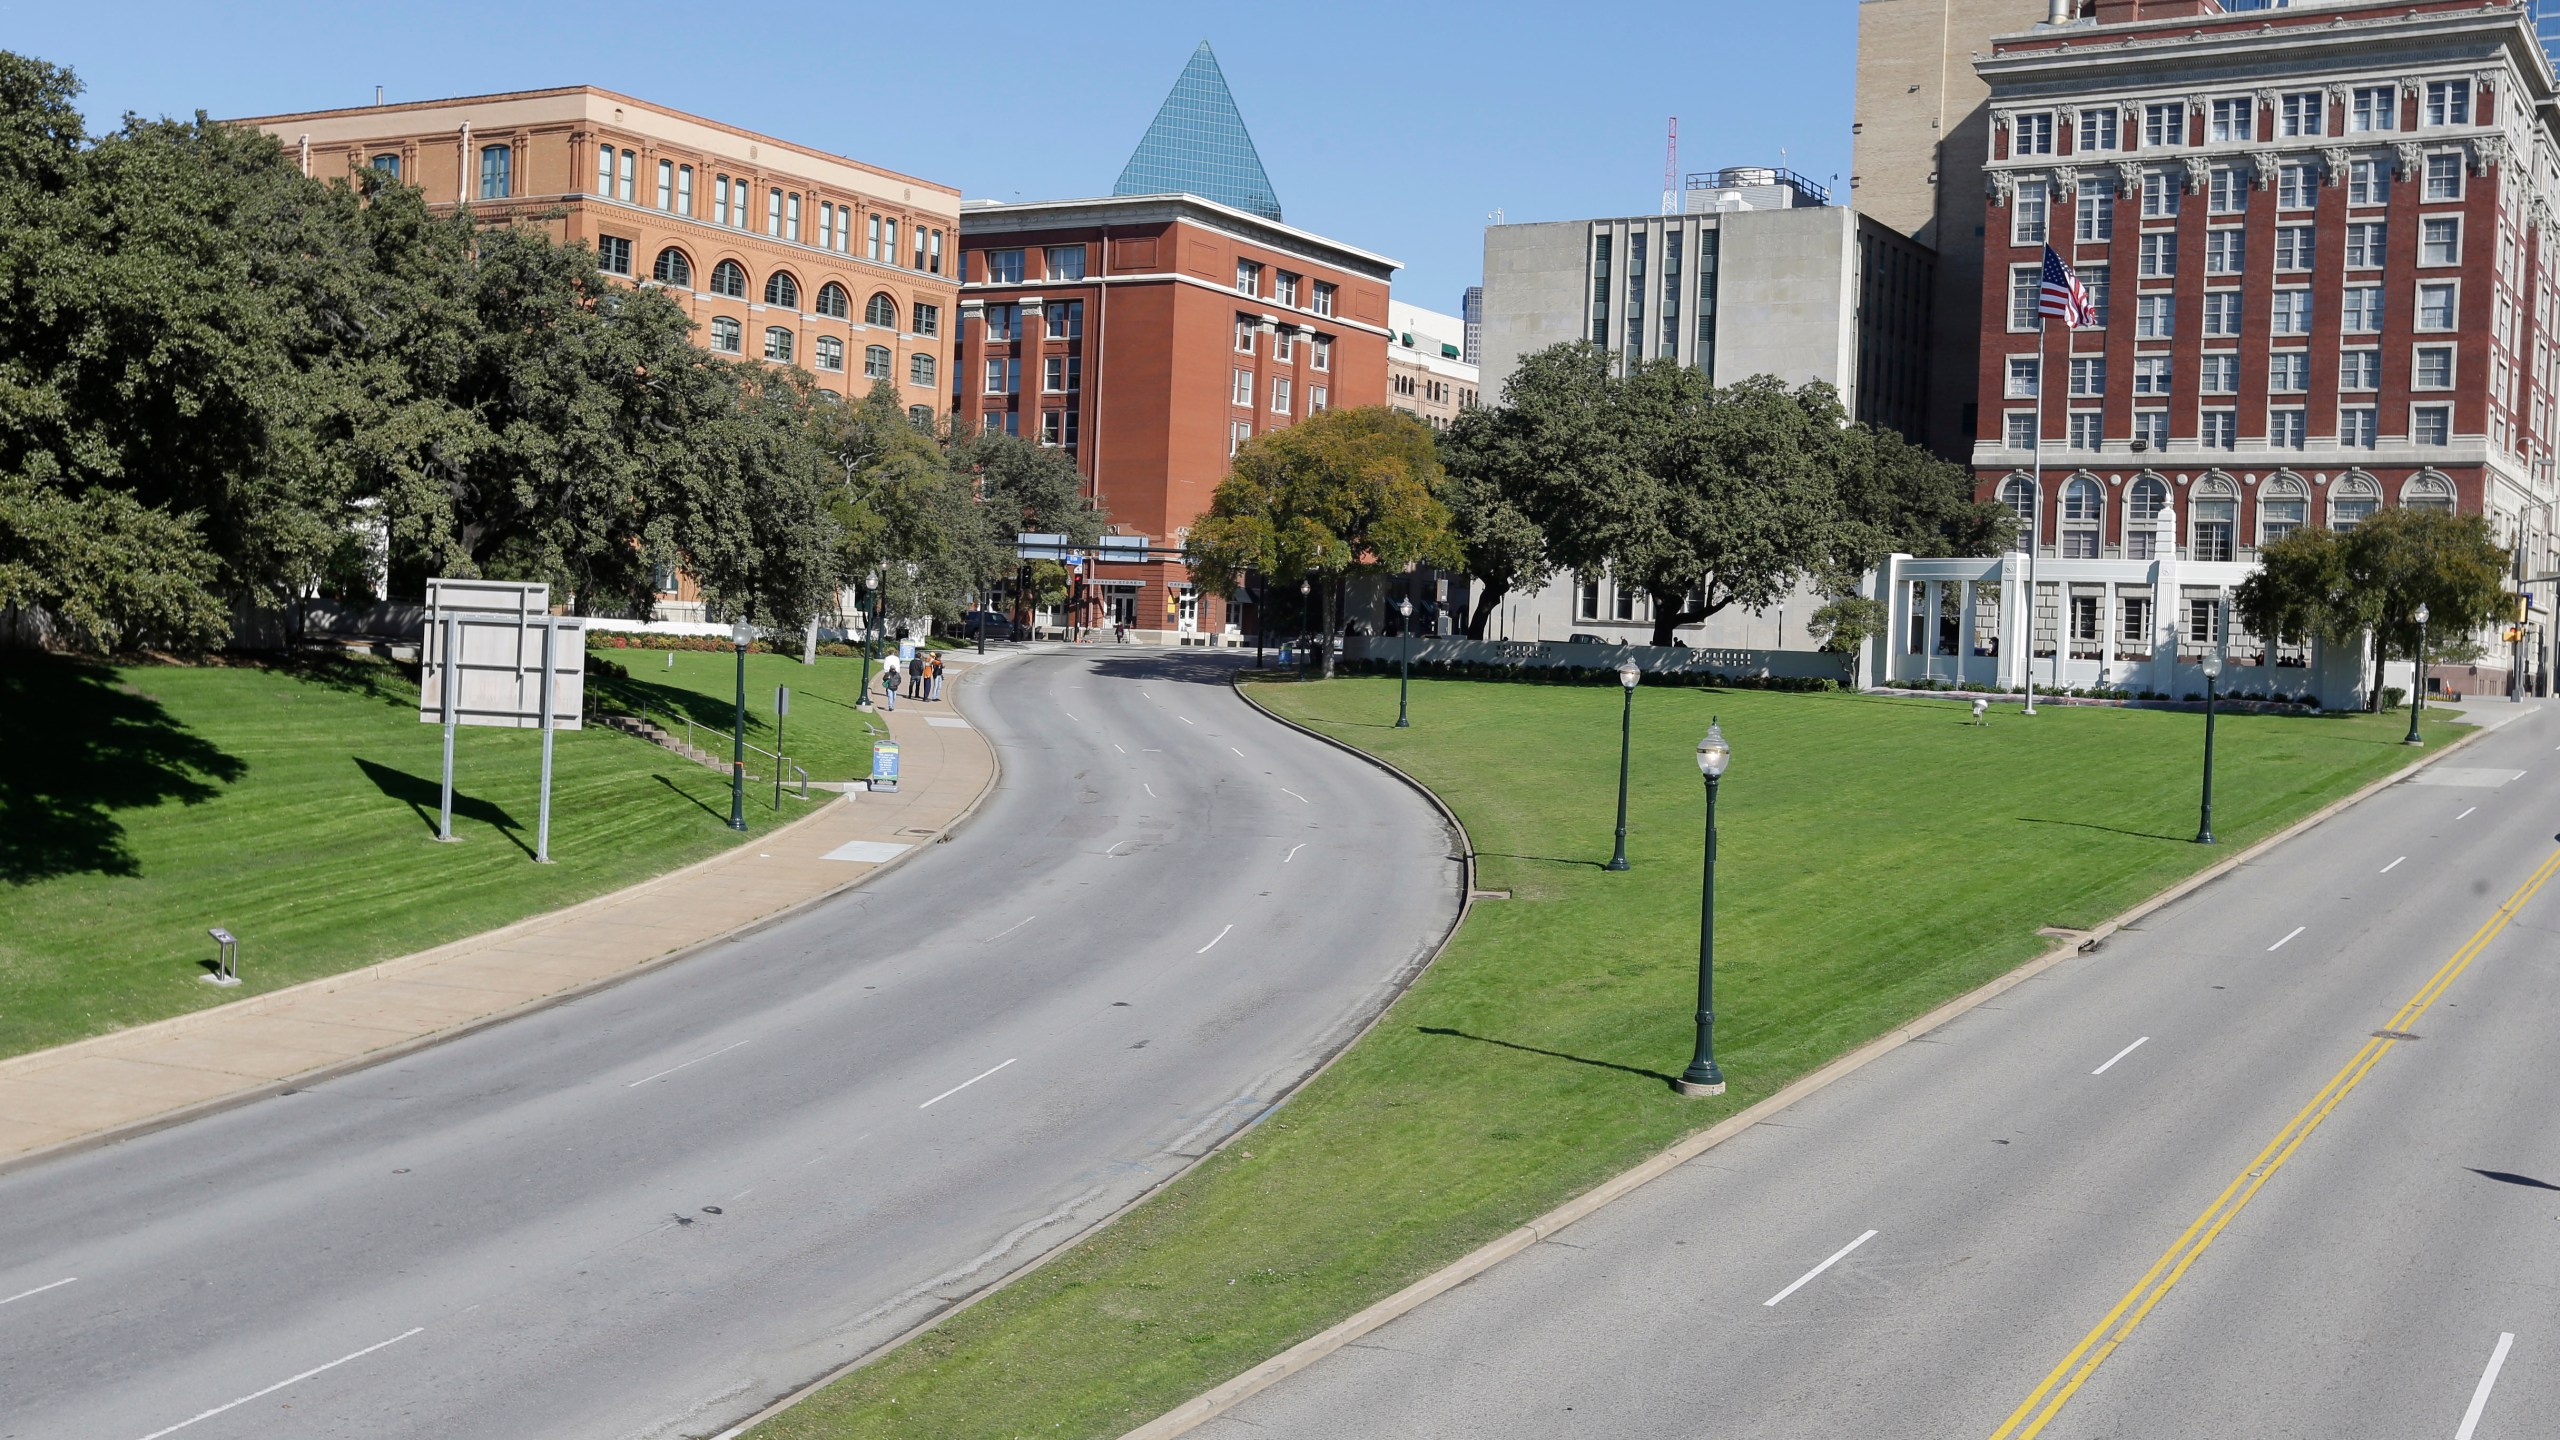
{"type": "Point", "coordinates": [2369, 582]}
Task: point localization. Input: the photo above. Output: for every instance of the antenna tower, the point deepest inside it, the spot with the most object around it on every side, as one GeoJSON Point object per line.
{"type": "Point", "coordinates": [1671, 170]}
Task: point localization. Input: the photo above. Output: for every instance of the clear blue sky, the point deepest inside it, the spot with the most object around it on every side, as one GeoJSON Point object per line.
{"type": "Point", "coordinates": [1395, 128]}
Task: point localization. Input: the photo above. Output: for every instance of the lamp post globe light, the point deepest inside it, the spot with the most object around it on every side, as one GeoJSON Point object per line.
{"type": "Point", "coordinates": [2417, 677]}
{"type": "Point", "coordinates": [1628, 675]}
{"type": "Point", "coordinates": [740, 636]}
{"type": "Point", "coordinates": [1702, 1077]}
{"type": "Point", "coordinates": [1404, 664]}
{"type": "Point", "coordinates": [2212, 673]}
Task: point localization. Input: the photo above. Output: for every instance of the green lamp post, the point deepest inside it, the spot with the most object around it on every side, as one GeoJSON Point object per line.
{"type": "Point", "coordinates": [740, 636]}
{"type": "Point", "coordinates": [2417, 677]}
{"type": "Point", "coordinates": [1628, 675]}
{"type": "Point", "coordinates": [1702, 1077]}
{"type": "Point", "coordinates": [2212, 674]}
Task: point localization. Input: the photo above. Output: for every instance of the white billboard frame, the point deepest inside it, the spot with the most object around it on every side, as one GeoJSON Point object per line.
{"type": "Point", "coordinates": [495, 655]}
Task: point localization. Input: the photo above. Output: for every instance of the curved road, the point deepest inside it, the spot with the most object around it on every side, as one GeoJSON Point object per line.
{"type": "Point", "coordinates": [651, 1210]}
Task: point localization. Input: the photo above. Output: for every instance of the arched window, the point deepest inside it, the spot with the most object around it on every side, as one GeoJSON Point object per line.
{"type": "Point", "coordinates": [830, 353]}
{"type": "Point", "coordinates": [2212, 517]}
{"type": "Point", "coordinates": [833, 303]}
{"type": "Point", "coordinates": [2284, 506]}
{"type": "Point", "coordinates": [920, 369]}
{"type": "Point", "coordinates": [2428, 491]}
{"type": "Point", "coordinates": [2143, 502]}
{"type": "Point", "coordinates": [2019, 494]}
{"type": "Point", "coordinates": [777, 344]}
{"type": "Point", "coordinates": [724, 335]}
{"type": "Point", "coordinates": [920, 416]}
{"type": "Point", "coordinates": [2083, 504]}
{"type": "Point", "coordinates": [2353, 500]}
{"type": "Point", "coordinates": [882, 311]}
{"type": "Point", "coordinates": [673, 268]}
{"type": "Point", "coordinates": [729, 278]}
{"type": "Point", "coordinates": [389, 165]}
{"type": "Point", "coordinates": [875, 362]}
{"type": "Point", "coordinates": [780, 289]}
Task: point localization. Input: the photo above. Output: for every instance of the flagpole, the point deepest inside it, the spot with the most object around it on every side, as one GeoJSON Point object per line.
{"type": "Point", "coordinates": [2035, 506]}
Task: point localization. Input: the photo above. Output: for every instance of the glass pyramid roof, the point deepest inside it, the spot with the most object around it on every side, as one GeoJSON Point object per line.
{"type": "Point", "coordinates": [1198, 145]}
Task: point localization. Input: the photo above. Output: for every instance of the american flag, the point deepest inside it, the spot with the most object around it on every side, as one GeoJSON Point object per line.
{"type": "Point", "coordinates": [2065, 298]}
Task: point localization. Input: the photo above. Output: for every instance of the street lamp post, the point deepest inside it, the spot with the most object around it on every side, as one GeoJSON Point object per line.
{"type": "Point", "coordinates": [2212, 674]}
{"type": "Point", "coordinates": [862, 697]}
{"type": "Point", "coordinates": [738, 735]}
{"type": "Point", "coordinates": [2417, 677]}
{"type": "Point", "coordinates": [1628, 675]}
{"type": "Point", "coordinates": [1404, 670]}
{"type": "Point", "coordinates": [1304, 588]}
{"type": "Point", "coordinates": [1702, 1077]}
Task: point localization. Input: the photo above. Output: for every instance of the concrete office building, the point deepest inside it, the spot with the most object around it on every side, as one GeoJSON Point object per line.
{"type": "Point", "coordinates": [1427, 376]}
{"type": "Point", "coordinates": [1471, 312]}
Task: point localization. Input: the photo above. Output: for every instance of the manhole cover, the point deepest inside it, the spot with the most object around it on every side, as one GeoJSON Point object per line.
{"type": "Point", "coordinates": [2396, 1035]}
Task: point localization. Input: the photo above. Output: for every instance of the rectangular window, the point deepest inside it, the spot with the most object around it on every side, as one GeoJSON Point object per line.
{"type": "Point", "coordinates": [2151, 375]}
{"type": "Point", "coordinates": [2085, 430]}
{"type": "Point", "coordinates": [1238, 432]}
{"type": "Point", "coordinates": [2366, 242]}
{"type": "Point", "coordinates": [933, 263]}
{"type": "Point", "coordinates": [928, 320]}
{"type": "Point", "coordinates": [919, 247]}
{"type": "Point", "coordinates": [2218, 374]}
{"type": "Point", "coordinates": [2359, 369]}
{"type": "Point", "coordinates": [2362, 312]}
{"type": "Point", "coordinates": [2297, 187]}
{"type": "Point", "coordinates": [2159, 254]}
{"type": "Point", "coordinates": [684, 189]}
{"type": "Point", "coordinates": [2160, 192]}
{"type": "Point", "coordinates": [1246, 330]}
{"type": "Point", "coordinates": [1280, 394]}
{"type": "Point", "coordinates": [1288, 290]}
{"type": "Point", "coordinates": [773, 212]}
{"type": "Point", "coordinates": [1066, 319]}
{"type": "Point", "coordinates": [830, 353]}
{"type": "Point", "coordinates": [1004, 322]}
{"type": "Point", "coordinates": [1053, 427]}
{"type": "Point", "coordinates": [2096, 212]}
{"type": "Point", "coordinates": [2289, 372]}
{"type": "Point", "coordinates": [2431, 425]}
{"type": "Point", "coordinates": [2022, 377]}
{"type": "Point", "coordinates": [2293, 247]}
{"type": "Point", "coordinates": [2290, 313]}
{"type": "Point", "coordinates": [2028, 214]}
{"type": "Point", "coordinates": [1249, 277]}
{"type": "Point", "coordinates": [1318, 399]}
{"type": "Point", "coordinates": [2096, 279]}
{"type": "Point", "coordinates": [738, 206]}
{"type": "Point", "coordinates": [2434, 368]}
{"type": "Point", "coordinates": [2439, 240]}
{"type": "Point", "coordinates": [2443, 173]}
{"type": "Point", "coordinates": [1324, 297]}
{"type": "Point", "coordinates": [2368, 182]}
{"type": "Point", "coordinates": [2098, 129]}
{"type": "Point", "coordinates": [2225, 251]}
{"type": "Point", "coordinates": [2026, 295]}
{"type": "Point", "coordinates": [995, 376]}
{"type": "Point", "coordinates": [2220, 430]}
{"type": "Point", "coordinates": [2359, 427]}
{"type": "Point", "coordinates": [497, 171]}
{"type": "Point", "coordinates": [2304, 112]}
{"type": "Point", "coordinates": [2021, 430]}
{"type": "Point", "coordinates": [2151, 429]}
{"type": "Point", "coordinates": [1324, 352]}
{"type": "Point", "coordinates": [604, 171]}
{"type": "Point", "coordinates": [777, 344]}
{"type": "Point", "coordinates": [666, 184]}
{"type": "Point", "coordinates": [2164, 124]}
{"type": "Point", "coordinates": [630, 165]}
{"type": "Point", "coordinates": [889, 241]}
{"type": "Point", "coordinates": [2088, 375]}
{"type": "Point", "coordinates": [2155, 317]}
{"type": "Point", "coordinates": [871, 238]}
{"type": "Point", "coordinates": [1284, 345]}
{"type": "Point", "coordinates": [2374, 107]}
{"type": "Point", "coordinates": [1004, 267]}
{"type": "Point", "coordinates": [2287, 429]}
{"type": "Point", "coordinates": [1243, 388]}
{"type": "Point", "coordinates": [2448, 103]}
{"type": "Point", "coordinates": [2436, 305]}
{"type": "Point", "coordinates": [2226, 191]}
{"type": "Point", "coordinates": [2222, 312]}
{"type": "Point", "coordinates": [2136, 618]}
{"type": "Point", "coordinates": [2084, 609]}
{"type": "Point", "coordinates": [2204, 617]}
{"type": "Point", "coordinates": [2232, 120]}
{"type": "Point", "coordinates": [613, 255]}
{"type": "Point", "coordinates": [2031, 133]}
{"type": "Point", "coordinates": [1063, 262]}
{"type": "Point", "coordinates": [791, 217]}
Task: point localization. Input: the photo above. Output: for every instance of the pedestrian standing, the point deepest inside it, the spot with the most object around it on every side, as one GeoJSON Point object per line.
{"type": "Point", "coordinates": [889, 685]}
{"type": "Point", "coordinates": [933, 686]}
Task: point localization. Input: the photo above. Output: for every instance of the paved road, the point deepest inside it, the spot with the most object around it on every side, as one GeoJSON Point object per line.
{"type": "Point", "coordinates": [651, 1210]}
{"type": "Point", "coordinates": [2019, 1174]}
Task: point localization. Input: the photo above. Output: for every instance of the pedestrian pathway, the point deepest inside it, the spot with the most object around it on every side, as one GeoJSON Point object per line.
{"type": "Point", "coordinates": [157, 1073]}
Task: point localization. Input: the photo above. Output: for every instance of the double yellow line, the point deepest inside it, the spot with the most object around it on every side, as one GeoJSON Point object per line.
{"type": "Point", "coordinates": [2048, 1398]}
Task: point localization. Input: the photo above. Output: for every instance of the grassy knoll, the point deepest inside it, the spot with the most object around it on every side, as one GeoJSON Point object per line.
{"type": "Point", "coordinates": [824, 733]}
{"type": "Point", "coordinates": [297, 808]}
{"type": "Point", "coordinates": [1879, 856]}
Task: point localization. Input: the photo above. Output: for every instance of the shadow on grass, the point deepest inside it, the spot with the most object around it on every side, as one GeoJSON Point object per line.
{"type": "Point", "coordinates": [425, 798]}
{"type": "Point", "coordinates": [362, 677]}
{"type": "Point", "coordinates": [78, 744]}
{"type": "Point", "coordinates": [2110, 829]}
{"type": "Point", "coordinates": [1665, 1076]}
{"type": "Point", "coordinates": [696, 800]}
{"type": "Point", "coordinates": [636, 695]}
{"type": "Point", "coordinates": [1546, 859]}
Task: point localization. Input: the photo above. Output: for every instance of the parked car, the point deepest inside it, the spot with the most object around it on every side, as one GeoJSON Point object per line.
{"type": "Point", "coordinates": [996, 626]}
{"type": "Point", "coordinates": [1580, 637]}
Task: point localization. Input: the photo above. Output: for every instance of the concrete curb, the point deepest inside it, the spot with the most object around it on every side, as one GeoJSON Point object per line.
{"type": "Point", "coordinates": [1466, 904]}
{"type": "Point", "coordinates": [178, 1024]}
{"type": "Point", "coordinates": [1213, 1403]}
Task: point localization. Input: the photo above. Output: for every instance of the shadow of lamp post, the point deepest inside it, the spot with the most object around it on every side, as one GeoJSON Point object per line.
{"type": "Point", "coordinates": [1702, 1077]}
{"type": "Point", "coordinates": [1628, 675]}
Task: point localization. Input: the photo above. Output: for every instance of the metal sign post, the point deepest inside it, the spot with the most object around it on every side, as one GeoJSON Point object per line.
{"type": "Point", "coordinates": [781, 708]}
{"type": "Point", "coordinates": [445, 690]}
{"type": "Point", "coordinates": [485, 665]}
{"type": "Point", "coordinates": [542, 713]}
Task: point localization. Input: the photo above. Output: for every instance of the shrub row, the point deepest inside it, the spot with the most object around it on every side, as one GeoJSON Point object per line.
{"type": "Point", "coordinates": [2304, 700]}
{"type": "Point", "coordinates": [1564, 675]}
{"type": "Point", "coordinates": [608, 640]}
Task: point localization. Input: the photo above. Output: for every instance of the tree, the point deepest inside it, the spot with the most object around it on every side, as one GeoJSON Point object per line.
{"type": "Point", "coordinates": [1844, 624]}
{"type": "Point", "coordinates": [1897, 497]}
{"type": "Point", "coordinates": [1342, 491]}
{"type": "Point", "coordinates": [1022, 488]}
{"type": "Point", "coordinates": [1525, 477]}
{"type": "Point", "coordinates": [2336, 585]}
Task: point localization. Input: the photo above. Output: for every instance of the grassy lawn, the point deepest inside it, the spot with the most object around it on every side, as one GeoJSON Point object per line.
{"type": "Point", "coordinates": [824, 733]}
{"type": "Point", "coordinates": [297, 808]}
{"type": "Point", "coordinates": [1878, 857]}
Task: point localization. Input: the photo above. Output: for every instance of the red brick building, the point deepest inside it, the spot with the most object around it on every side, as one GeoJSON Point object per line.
{"type": "Point", "coordinates": [2321, 241]}
{"type": "Point", "coordinates": [1149, 336]}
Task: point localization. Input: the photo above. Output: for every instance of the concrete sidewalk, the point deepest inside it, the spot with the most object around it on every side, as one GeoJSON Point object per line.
{"type": "Point", "coordinates": [151, 1075]}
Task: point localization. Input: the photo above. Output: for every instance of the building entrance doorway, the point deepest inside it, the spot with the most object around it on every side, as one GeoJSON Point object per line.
{"type": "Point", "coordinates": [1187, 615]}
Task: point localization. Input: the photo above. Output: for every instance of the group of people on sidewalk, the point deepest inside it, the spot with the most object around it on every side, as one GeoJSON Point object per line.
{"type": "Point", "coordinates": [922, 679]}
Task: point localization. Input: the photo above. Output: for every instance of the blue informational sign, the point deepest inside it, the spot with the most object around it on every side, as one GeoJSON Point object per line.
{"type": "Point", "coordinates": [906, 652]}
{"type": "Point", "coordinates": [884, 765]}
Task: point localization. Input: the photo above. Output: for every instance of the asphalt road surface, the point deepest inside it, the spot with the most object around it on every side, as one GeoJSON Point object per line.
{"type": "Point", "coordinates": [2175, 1188]}
{"type": "Point", "coordinates": [651, 1210]}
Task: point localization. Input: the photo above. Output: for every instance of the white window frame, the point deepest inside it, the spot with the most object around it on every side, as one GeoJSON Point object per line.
{"type": "Point", "coordinates": [1240, 393]}
{"type": "Point", "coordinates": [2031, 213]}
{"type": "Point", "coordinates": [2444, 165]}
{"type": "Point", "coordinates": [2293, 303]}
{"type": "Point", "coordinates": [2418, 314]}
{"type": "Point", "coordinates": [2361, 310]}
{"type": "Point", "coordinates": [2295, 246]}
{"type": "Point", "coordinates": [2368, 244]}
{"type": "Point", "coordinates": [2164, 124]}
{"type": "Point", "coordinates": [2433, 225]}
{"type": "Point", "coordinates": [2373, 109]}
{"type": "Point", "coordinates": [2289, 372]}
{"type": "Point", "coordinates": [2302, 112]}
{"type": "Point", "coordinates": [2153, 374]}
{"type": "Point", "coordinates": [2352, 362]}
{"type": "Point", "coordinates": [2434, 409]}
{"type": "Point", "coordinates": [2445, 102]}
{"type": "Point", "coordinates": [2218, 372]}
{"type": "Point", "coordinates": [2418, 364]}
{"type": "Point", "coordinates": [2031, 133]}
{"type": "Point", "coordinates": [2024, 378]}
{"type": "Point", "coordinates": [2231, 120]}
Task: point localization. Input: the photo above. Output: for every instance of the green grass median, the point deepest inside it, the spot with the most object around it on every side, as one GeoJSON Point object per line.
{"type": "Point", "coordinates": [297, 807]}
{"type": "Point", "coordinates": [1878, 856]}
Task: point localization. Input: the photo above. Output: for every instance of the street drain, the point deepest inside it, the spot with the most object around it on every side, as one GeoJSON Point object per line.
{"type": "Point", "coordinates": [2395, 1035]}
